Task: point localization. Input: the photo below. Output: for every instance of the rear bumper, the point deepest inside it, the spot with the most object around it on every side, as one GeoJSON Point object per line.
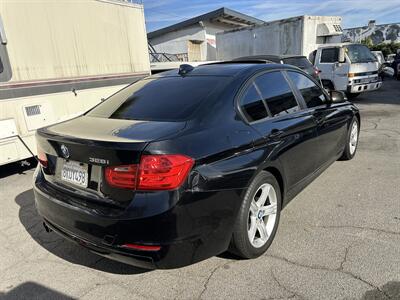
{"type": "Point", "coordinates": [359, 88]}
{"type": "Point", "coordinates": [189, 228]}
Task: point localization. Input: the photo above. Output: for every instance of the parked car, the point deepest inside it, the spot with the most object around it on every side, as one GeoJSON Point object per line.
{"type": "Point", "coordinates": [381, 63]}
{"type": "Point", "coordinates": [187, 164]}
{"type": "Point", "coordinates": [390, 58]}
{"type": "Point", "coordinates": [295, 60]}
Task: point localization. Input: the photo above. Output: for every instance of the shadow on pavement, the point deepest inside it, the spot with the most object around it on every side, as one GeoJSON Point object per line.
{"type": "Point", "coordinates": [389, 93]}
{"type": "Point", "coordinates": [33, 290]}
{"type": "Point", "coordinates": [390, 290]}
{"type": "Point", "coordinates": [62, 248]}
{"type": "Point", "coordinates": [17, 168]}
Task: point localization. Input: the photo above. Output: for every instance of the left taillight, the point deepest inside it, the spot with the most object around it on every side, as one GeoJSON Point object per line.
{"type": "Point", "coordinates": [122, 176]}
{"type": "Point", "coordinates": [155, 172]}
{"type": "Point", "coordinates": [42, 157]}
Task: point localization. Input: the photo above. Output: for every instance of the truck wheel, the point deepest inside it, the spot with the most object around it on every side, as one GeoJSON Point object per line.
{"type": "Point", "coordinates": [258, 217]}
{"type": "Point", "coordinates": [351, 140]}
{"type": "Point", "coordinates": [352, 95]}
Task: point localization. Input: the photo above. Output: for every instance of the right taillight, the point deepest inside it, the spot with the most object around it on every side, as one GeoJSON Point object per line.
{"type": "Point", "coordinates": [155, 172]}
{"type": "Point", "coordinates": [42, 157]}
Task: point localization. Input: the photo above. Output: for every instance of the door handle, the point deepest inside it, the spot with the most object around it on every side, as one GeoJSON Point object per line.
{"type": "Point", "coordinates": [275, 133]}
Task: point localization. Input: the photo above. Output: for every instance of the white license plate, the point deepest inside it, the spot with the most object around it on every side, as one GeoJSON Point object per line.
{"type": "Point", "coordinates": [75, 172]}
{"type": "Point", "coordinates": [366, 80]}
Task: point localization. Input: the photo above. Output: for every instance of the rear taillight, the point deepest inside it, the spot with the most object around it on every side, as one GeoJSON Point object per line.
{"type": "Point", "coordinates": [42, 157]}
{"type": "Point", "coordinates": [122, 176]}
{"type": "Point", "coordinates": [155, 172]}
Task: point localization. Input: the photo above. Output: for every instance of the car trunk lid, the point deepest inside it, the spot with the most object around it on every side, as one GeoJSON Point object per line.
{"type": "Point", "coordinates": [79, 150]}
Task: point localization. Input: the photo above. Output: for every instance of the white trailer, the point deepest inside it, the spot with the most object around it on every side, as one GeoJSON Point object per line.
{"type": "Point", "coordinates": [350, 68]}
{"type": "Point", "coordinates": [60, 58]}
{"type": "Point", "coordinates": [293, 36]}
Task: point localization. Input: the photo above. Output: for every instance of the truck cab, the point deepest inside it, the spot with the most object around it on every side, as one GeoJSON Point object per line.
{"type": "Point", "coordinates": [350, 68]}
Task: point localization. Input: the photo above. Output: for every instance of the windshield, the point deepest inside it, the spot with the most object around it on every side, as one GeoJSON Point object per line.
{"type": "Point", "coordinates": [159, 99]}
{"type": "Point", "coordinates": [359, 54]}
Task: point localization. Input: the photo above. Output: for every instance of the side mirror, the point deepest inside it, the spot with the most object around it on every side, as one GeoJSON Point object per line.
{"type": "Point", "coordinates": [342, 57]}
{"type": "Point", "coordinates": [337, 96]}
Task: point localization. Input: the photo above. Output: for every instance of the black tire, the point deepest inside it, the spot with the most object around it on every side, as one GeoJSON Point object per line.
{"type": "Point", "coordinates": [352, 95]}
{"type": "Point", "coordinates": [241, 244]}
{"type": "Point", "coordinates": [347, 154]}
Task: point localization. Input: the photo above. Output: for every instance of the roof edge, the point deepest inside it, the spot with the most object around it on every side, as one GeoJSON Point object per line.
{"type": "Point", "coordinates": [192, 21]}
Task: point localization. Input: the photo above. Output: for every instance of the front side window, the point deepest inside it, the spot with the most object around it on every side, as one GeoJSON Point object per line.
{"type": "Point", "coordinates": [330, 55]}
{"type": "Point", "coordinates": [312, 94]}
{"type": "Point", "coordinates": [252, 105]}
{"type": "Point", "coordinates": [277, 94]}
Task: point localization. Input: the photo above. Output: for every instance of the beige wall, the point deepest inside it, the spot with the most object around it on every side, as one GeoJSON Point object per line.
{"type": "Point", "coordinates": [59, 38]}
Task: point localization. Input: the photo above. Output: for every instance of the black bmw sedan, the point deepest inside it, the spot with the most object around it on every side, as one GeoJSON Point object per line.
{"type": "Point", "coordinates": [187, 164]}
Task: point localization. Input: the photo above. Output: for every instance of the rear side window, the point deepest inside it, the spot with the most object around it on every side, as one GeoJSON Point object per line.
{"type": "Point", "coordinates": [252, 105]}
{"type": "Point", "coordinates": [312, 94]}
{"type": "Point", "coordinates": [277, 93]}
{"type": "Point", "coordinates": [300, 62]}
{"type": "Point", "coordinates": [330, 55]}
{"type": "Point", "coordinates": [159, 99]}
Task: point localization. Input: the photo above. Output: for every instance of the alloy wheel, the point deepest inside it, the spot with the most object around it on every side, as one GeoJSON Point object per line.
{"type": "Point", "coordinates": [353, 138]}
{"type": "Point", "coordinates": [262, 215]}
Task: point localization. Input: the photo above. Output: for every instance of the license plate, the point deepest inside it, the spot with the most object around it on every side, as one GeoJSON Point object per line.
{"type": "Point", "coordinates": [75, 172]}
{"type": "Point", "coordinates": [366, 80]}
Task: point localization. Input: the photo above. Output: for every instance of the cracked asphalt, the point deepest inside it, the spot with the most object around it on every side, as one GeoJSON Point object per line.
{"type": "Point", "coordinates": [338, 239]}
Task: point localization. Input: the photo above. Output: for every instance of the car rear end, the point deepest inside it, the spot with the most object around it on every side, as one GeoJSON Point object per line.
{"type": "Point", "coordinates": [97, 185]}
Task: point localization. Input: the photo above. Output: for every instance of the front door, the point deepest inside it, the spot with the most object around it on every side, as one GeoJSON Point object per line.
{"type": "Point", "coordinates": [194, 50]}
{"type": "Point", "coordinates": [331, 69]}
{"type": "Point", "coordinates": [331, 120]}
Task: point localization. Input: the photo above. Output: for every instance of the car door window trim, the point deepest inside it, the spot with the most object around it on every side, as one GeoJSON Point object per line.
{"type": "Point", "coordinates": [251, 80]}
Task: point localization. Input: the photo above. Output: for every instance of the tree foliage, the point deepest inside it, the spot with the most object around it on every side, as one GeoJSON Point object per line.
{"type": "Point", "coordinates": [386, 48]}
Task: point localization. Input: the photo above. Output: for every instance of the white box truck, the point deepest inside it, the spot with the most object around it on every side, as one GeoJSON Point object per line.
{"type": "Point", "coordinates": [60, 58]}
{"type": "Point", "coordinates": [346, 67]}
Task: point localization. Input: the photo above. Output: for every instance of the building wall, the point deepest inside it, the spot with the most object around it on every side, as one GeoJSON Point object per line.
{"type": "Point", "coordinates": [378, 33]}
{"type": "Point", "coordinates": [177, 41]}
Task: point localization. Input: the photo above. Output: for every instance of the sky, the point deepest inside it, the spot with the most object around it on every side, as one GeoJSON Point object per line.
{"type": "Point", "coordinates": [161, 13]}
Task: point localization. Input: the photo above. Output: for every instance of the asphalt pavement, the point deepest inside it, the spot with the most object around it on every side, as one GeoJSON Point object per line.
{"type": "Point", "coordinates": [338, 239]}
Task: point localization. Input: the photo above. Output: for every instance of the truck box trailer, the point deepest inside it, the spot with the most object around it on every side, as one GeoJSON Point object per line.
{"type": "Point", "coordinates": [294, 36]}
{"type": "Point", "coordinates": [59, 58]}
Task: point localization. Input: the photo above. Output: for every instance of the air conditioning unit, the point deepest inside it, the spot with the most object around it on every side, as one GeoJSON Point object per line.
{"type": "Point", "coordinates": [329, 29]}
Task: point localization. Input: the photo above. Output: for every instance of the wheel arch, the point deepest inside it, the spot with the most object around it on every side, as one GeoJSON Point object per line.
{"type": "Point", "coordinates": [278, 176]}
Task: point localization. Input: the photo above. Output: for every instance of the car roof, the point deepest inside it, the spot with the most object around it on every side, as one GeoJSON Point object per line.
{"type": "Point", "coordinates": [268, 57]}
{"type": "Point", "coordinates": [226, 68]}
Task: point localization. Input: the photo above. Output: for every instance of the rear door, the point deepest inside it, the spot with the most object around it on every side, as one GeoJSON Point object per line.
{"type": "Point", "coordinates": [288, 132]}
{"type": "Point", "coordinates": [330, 118]}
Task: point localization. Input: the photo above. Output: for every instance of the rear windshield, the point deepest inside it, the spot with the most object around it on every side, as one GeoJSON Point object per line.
{"type": "Point", "coordinates": [300, 62]}
{"type": "Point", "coordinates": [159, 99]}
